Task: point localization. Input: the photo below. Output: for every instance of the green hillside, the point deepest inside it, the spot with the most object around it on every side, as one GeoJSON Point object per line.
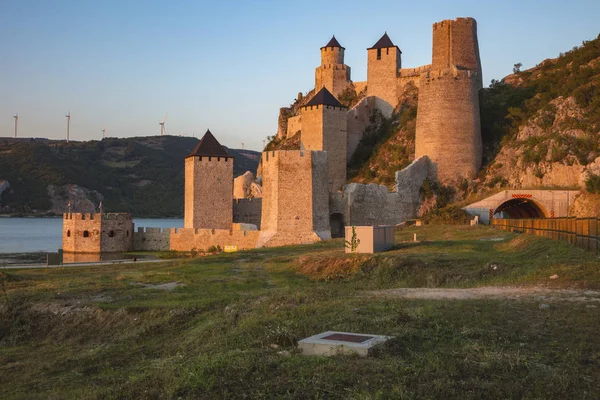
{"type": "Point", "coordinates": [143, 175]}
{"type": "Point", "coordinates": [534, 123]}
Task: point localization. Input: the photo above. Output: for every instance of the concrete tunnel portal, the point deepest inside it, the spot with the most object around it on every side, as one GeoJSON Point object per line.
{"type": "Point", "coordinates": [520, 208]}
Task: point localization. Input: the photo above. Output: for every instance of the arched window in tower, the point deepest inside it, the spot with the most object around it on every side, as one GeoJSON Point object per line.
{"type": "Point", "coordinates": [379, 54]}
{"type": "Point", "coordinates": [68, 233]}
{"type": "Point", "coordinates": [86, 234]}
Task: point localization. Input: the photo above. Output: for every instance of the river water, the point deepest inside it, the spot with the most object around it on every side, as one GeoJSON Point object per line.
{"type": "Point", "coordinates": [28, 235]}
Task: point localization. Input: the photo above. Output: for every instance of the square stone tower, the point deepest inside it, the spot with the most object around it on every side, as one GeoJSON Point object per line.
{"type": "Point", "coordinates": [332, 74]}
{"type": "Point", "coordinates": [295, 204]}
{"type": "Point", "coordinates": [208, 186]}
{"type": "Point", "coordinates": [324, 128]}
{"type": "Point", "coordinates": [384, 61]}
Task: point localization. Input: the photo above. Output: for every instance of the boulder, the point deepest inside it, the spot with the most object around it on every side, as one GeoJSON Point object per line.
{"type": "Point", "coordinates": [244, 187]}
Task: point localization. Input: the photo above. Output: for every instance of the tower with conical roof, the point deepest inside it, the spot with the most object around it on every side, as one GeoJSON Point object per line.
{"type": "Point", "coordinates": [208, 186]}
{"type": "Point", "coordinates": [384, 61]}
{"type": "Point", "coordinates": [332, 74]}
{"type": "Point", "coordinates": [324, 128]}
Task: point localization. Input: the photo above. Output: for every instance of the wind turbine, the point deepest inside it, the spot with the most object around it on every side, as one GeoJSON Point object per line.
{"type": "Point", "coordinates": [16, 117]}
{"type": "Point", "coordinates": [162, 125]}
{"type": "Point", "coordinates": [68, 124]}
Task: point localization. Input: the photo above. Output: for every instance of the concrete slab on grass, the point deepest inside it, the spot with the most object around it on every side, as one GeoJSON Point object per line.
{"type": "Point", "coordinates": [331, 343]}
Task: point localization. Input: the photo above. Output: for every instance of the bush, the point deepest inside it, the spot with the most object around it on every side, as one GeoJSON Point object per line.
{"type": "Point", "coordinates": [451, 215]}
{"type": "Point", "coordinates": [592, 184]}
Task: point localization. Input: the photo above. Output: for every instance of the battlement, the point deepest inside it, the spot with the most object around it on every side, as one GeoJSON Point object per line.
{"type": "Point", "coordinates": [98, 216]}
{"type": "Point", "coordinates": [454, 73]}
{"type": "Point", "coordinates": [205, 159]}
{"type": "Point", "coordinates": [247, 201]}
{"type": "Point", "coordinates": [335, 66]}
{"type": "Point", "coordinates": [188, 239]}
{"type": "Point", "coordinates": [292, 156]}
{"type": "Point", "coordinates": [324, 107]}
{"type": "Point", "coordinates": [410, 72]}
{"type": "Point", "coordinates": [460, 20]}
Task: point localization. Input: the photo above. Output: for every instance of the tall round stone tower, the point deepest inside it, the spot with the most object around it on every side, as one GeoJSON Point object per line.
{"type": "Point", "coordinates": [332, 74]}
{"type": "Point", "coordinates": [448, 119]}
{"type": "Point", "coordinates": [208, 186]}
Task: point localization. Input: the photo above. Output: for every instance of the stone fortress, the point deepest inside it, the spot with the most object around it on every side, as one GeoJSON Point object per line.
{"type": "Point", "coordinates": [305, 197]}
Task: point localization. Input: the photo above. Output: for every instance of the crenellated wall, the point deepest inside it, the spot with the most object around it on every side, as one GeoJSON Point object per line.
{"type": "Point", "coordinates": [97, 233]}
{"type": "Point", "coordinates": [156, 239]}
{"type": "Point", "coordinates": [455, 44]}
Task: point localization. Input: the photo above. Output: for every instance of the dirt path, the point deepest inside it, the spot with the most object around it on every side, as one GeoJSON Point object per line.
{"type": "Point", "coordinates": [491, 292]}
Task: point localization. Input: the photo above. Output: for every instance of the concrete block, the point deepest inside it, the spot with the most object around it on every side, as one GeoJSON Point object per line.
{"type": "Point", "coordinates": [332, 343]}
{"type": "Point", "coordinates": [373, 239]}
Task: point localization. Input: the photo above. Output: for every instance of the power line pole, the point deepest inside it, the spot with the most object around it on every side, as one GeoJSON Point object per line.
{"type": "Point", "coordinates": [16, 117]}
{"type": "Point", "coordinates": [68, 124]}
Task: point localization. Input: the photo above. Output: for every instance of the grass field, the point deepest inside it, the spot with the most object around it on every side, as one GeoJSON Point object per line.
{"type": "Point", "coordinates": [226, 326]}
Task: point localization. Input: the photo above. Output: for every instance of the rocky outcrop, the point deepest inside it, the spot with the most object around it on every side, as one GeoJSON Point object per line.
{"type": "Point", "coordinates": [586, 205]}
{"type": "Point", "coordinates": [82, 200]}
{"type": "Point", "coordinates": [244, 187]}
{"type": "Point", "coordinates": [544, 152]}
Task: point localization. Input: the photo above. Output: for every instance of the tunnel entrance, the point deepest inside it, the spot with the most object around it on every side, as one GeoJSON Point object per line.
{"type": "Point", "coordinates": [519, 208]}
{"type": "Point", "coordinates": [336, 221]}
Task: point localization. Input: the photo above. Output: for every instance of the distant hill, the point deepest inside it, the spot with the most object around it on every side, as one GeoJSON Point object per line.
{"type": "Point", "coordinates": [142, 175]}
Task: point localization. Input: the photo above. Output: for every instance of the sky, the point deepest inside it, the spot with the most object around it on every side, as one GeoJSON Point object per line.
{"type": "Point", "coordinates": [228, 66]}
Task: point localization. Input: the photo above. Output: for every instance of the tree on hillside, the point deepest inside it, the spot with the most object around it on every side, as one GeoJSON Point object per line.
{"type": "Point", "coordinates": [517, 68]}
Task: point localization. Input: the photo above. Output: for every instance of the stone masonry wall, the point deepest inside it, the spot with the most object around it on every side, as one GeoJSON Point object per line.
{"type": "Point", "coordinates": [294, 124]}
{"type": "Point", "coordinates": [324, 128]}
{"type": "Point", "coordinates": [448, 123]}
{"type": "Point", "coordinates": [156, 239]}
{"type": "Point", "coordinates": [152, 239]}
{"type": "Point", "coordinates": [357, 120]}
{"type": "Point", "coordinates": [334, 77]}
{"type": "Point", "coordinates": [247, 211]}
{"type": "Point", "coordinates": [97, 233]}
{"type": "Point", "coordinates": [455, 44]}
{"type": "Point", "coordinates": [117, 233]}
{"type": "Point", "coordinates": [373, 204]}
{"type": "Point", "coordinates": [382, 74]}
{"type": "Point", "coordinates": [81, 233]}
{"type": "Point", "coordinates": [295, 198]}
{"type": "Point", "coordinates": [208, 192]}
{"type": "Point", "coordinates": [332, 73]}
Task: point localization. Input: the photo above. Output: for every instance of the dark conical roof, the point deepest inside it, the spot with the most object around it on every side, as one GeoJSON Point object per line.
{"type": "Point", "coordinates": [383, 43]}
{"type": "Point", "coordinates": [324, 97]}
{"type": "Point", "coordinates": [209, 146]}
{"type": "Point", "coordinates": [333, 43]}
